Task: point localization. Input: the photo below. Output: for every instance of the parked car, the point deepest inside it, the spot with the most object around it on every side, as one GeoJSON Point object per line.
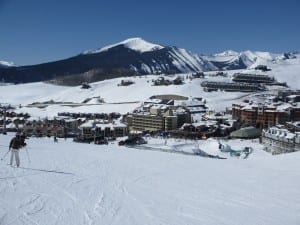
{"type": "Point", "coordinates": [135, 140]}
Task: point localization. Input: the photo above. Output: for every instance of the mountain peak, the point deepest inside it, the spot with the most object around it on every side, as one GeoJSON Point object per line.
{"type": "Point", "coordinates": [227, 53]}
{"type": "Point", "coordinates": [137, 44]}
{"type": "Point", "coordinates": [6, 64]}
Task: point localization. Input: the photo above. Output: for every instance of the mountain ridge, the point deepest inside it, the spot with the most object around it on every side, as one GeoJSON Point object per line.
{"type": "Point", "coordinates": [136, 56]}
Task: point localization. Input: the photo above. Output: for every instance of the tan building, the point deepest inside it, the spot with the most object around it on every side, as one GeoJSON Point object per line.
{"type": "Point", "coordinates": [102, 128]}
{"type": "Point", "coordinates": [157, 118]}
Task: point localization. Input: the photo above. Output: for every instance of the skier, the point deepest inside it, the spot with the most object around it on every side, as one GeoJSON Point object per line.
{"type": "Point", "coordinates": [15, 145]}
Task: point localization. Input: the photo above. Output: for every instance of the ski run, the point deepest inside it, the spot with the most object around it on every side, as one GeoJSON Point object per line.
{"type": "Point", "coordinates": [70, 183]}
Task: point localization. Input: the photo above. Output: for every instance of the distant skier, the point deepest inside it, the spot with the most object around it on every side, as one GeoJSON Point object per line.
{"type": "Point", "coordinates": [15, 145]}
{"type": "Point", "coordinates": [220, 145]}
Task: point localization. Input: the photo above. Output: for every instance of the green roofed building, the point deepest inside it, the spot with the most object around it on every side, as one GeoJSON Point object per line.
{"type": "Point", "coordinates": [246, 132]}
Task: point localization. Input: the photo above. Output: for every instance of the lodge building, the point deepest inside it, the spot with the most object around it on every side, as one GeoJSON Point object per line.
{"type": "Point", "coordinates": [158, 118]}
{"type": "Point", "coordinates": [265, 115]}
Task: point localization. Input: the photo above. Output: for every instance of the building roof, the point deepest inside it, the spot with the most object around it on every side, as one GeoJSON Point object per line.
{"type": "Point", "coordinates": [87, 124]}
{"type": "Point", "coordinates": [246, 132]}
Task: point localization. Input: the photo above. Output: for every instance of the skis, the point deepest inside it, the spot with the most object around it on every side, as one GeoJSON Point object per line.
{"type": "Point", "coordinates": [5, 155]}
{"type": "Point", "coordinates": [43, 170]}
{"type": "Point", "coordinates": [47, 171]}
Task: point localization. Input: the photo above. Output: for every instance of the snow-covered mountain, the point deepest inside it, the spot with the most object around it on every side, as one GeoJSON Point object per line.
{"type": "Point", "coordinates": [155, 58]}
{"type": "Point", "coordinates": [230, 60]}
{"type": "Point", "coordinates": [136, 44]}
{"type": "Point", "coordinates": [6, 64]}
{"type": "Point", "coordinates": [137, 56]}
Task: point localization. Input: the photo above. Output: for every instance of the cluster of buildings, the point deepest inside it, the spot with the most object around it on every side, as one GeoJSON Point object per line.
{"type": "Point", "coordinates": [265, 115]}
{"type": "Point", "coordinates": [231, 86]}
{"type": "Point", "coordinates": [210, 125]}
{"type": "Point", "coordinates": [165, 113]}
{"type": "Point", "coordinates": [10, 121]}
{"type": "Point", "coordinates": [126, 83]}
{"type": "Point", "coordinates": [242, 82]}
{"type": "Point", "coordinates": [163, 81]}
{"type": "Point", "coordinates": [252, 78]}
{"type": "Point", "coordinates": [173, 114]}
{"type": "Point", "coordinates": [82, 126]}
{"type": "Point", "coordinates": [256, 78]}
{"type": "Point", "coordinates": [278, 119]}
{"type": "Point", "coordinates": [179, 117]}
{"type": "Point", "coordinates": [158, 115]}
{"type": "Point", "coordinates": [98, 131]}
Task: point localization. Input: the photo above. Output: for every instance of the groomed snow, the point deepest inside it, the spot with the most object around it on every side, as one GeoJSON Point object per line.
{"type": "Point", "coordinates": [117, 185]}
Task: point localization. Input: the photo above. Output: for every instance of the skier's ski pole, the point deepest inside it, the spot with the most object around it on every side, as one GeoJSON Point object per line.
{"type": "Point", "coordinates": [27, 155]}
{"type": "Point", "coordinates": [5, 155]}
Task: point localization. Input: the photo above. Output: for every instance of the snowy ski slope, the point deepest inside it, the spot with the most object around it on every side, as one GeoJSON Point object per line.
{"type": "Point", "coordinates": [90, 184]}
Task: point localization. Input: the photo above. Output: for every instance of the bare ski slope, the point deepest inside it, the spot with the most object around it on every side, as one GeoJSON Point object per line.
{"type": "Point", "coordinates": [89, 184]}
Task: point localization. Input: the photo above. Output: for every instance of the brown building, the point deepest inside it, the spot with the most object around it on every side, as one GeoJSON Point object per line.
{"type": "Point", "coordinates": [265, 115]}
{"type": "Point", "coordinates": [101, 128]}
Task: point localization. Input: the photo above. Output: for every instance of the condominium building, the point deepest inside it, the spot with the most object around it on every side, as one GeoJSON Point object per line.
{"type": "Point", "coordinates": [157, 118]}
{"type": "Point", "coordinates": [278, 140]}
{"type": "Point", "coordinates": [265, 115]}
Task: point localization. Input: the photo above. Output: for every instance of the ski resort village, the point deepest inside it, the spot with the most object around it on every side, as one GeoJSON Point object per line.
{"type": "Point", "coordinates": [168, 137]}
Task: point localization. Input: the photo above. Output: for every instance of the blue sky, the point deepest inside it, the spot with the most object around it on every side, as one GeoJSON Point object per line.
{"type": "Point", "coordinates": [35, 31]}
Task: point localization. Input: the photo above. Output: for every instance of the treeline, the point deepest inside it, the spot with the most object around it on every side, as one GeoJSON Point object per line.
{"type": "Point", "coordinates": [92, 76]}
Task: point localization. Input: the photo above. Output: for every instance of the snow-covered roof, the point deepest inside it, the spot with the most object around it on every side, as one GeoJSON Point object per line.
{"type": "Point", "coordinates": [87, 124]}
{"type": "Point", "coordinates": [10, 125]}
{"type": "Point", "coordinates": [205, 123]}
{"type": "Point", "coordinates": [292, 96]}
{"type": "Point", "coordinates": [110, 125]}
{"type": "Point", "coordinates": [191, 102]}
{"type": "Point", "coordinates": [70, 120]}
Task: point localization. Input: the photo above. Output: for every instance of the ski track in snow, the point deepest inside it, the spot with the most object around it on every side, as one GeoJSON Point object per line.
{"type": "Point", "coordinates": [119, 185]}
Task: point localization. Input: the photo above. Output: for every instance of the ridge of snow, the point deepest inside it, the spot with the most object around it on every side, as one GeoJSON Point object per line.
{"type": "Point", "coordinates": [249, 58]}
{"type": "Point", "coordinates": [227, 53]}
{"type": "Point", "coordinates": [136, 44]}
{"type": "Point", "coordinates": [185, 60]}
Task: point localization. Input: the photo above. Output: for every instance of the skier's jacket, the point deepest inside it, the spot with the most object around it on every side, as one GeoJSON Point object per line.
{"type": "Point", "coordinates": [17, 143]}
